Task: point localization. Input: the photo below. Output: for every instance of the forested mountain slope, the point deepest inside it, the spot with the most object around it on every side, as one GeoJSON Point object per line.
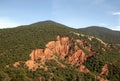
{"type": "Point", "coordinates": [49, 51]}
{"type": "Point", "coordinates": [103, 33]}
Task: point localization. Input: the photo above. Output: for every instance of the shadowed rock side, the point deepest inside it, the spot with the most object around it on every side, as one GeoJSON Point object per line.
{"type": "Point", "coordinates": [65, 48]}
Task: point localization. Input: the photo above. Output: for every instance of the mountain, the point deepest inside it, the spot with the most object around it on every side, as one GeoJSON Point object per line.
{"type": "Point", "coordinates": [103, 33]}
{"type": "Point", "coordinates": [50, 51]}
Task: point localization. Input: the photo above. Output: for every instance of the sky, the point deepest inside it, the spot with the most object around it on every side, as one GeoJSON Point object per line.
{"type": "Point", "coordinates": [73, 13]}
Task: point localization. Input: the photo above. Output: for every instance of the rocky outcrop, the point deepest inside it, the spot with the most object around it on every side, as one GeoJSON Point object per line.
{"type": "Point", "coordinates": [86, 47]}
{"type": "Point", "coordinates": [77, 58]}
{"type": "Point", "coordinates": [90, 50]}
{"type": "Point", "coordinates": [31, 64]}
{"type": "Point", "coordinates": [80, 42]}
{"type": "Point", "coordinates": [104, 70]}
{"type": "Point", "coordinates": [16, 64]}
{"type": "Point", "coordinates": [82, 68]}
{"type": "Point", "coordinates": [36, 54]}
{"type": "Point", "coordinates": [101, 79]}
{"type": "Point", "coordinates": [64, 47]}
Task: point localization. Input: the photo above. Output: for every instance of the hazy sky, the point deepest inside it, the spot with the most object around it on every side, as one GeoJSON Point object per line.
{"type": "Point", "coordinates": [73, 13]}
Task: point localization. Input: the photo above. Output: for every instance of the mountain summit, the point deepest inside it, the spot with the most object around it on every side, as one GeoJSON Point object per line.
{"type": "Point", "coordinates": [46, 22]}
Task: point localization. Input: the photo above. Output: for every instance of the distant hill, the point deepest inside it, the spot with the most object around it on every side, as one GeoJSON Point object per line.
{"type": "Point", "coordinates": [48, 22]}
{"type": "Point", "coordinates": [103, 33]}
{"type": "Point", "coordinates": [50, 51]}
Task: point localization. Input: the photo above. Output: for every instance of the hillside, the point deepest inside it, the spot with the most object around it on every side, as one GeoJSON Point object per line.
{"type": "Point", "coordinates": [50, 51]}
{"type": "Point", "coordinates": [103, 33]}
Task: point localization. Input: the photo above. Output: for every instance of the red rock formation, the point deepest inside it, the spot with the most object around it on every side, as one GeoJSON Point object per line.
{"type": "Point", "coordinates": [16, 64]}
{"type": "Point", "coordinates": [31, 64]}
{"type": "Point", "coordinates": [76, 48]}
{"type": "Point", "coordinates": [35, 55]}
{"type": "Point", "coordinates": [51, 45]}
{"type": "Point", "coordinates": [80, 42]}
{"type": "Point", "coordinates": [101, 79]}
{"type": "Point", "coordinates": [82, 68]}
{"type": "Point", "coordinates": [48, 53]}
{"type": "Point", "coordinates": [104, 70]}
{"type": "Point", "coordinates": [62, 47]}
{"type": "Point", "coordinates": [77, 58]}
{"type": "Point", "coordinates": [38, 53]}
{"type": "Point", "coordinates": [89, 49]}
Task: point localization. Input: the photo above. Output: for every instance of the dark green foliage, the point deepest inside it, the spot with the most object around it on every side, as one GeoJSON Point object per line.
{"type": "Point", "coordinates": [3, 76]}
{"type": "Point", "coordinates": [93, 64]}
{"type": "Point", "coordinates": [51, 63]}
{"type": "Point", "coordinates": [18, 74]}
{"type": "Point", "coordinates": [66, 74]}
{"type": "Point", "coordinates": [103, 33]}
{"type": "Point", "coordinates": [114, 73]}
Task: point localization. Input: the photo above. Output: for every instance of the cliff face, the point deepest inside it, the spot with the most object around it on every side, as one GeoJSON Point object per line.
{"type": "Point", "coordinates": [64, 47]}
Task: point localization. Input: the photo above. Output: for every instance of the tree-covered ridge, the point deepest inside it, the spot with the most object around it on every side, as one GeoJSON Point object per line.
{"type": "Point", "coordinates": [103, 33]}
{"type": "Point", "coordinates": [17, 43]}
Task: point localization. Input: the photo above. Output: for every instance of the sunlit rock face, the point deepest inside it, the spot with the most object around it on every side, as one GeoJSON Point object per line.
{"type": "Point", "coordinates": [104, 70]}
{"type": "Point", "coordinates": [82, 68]}
{"type": "Point", "coordinates": [65, 48]}
{"type": "Point", "coordinates": [77, 58]}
